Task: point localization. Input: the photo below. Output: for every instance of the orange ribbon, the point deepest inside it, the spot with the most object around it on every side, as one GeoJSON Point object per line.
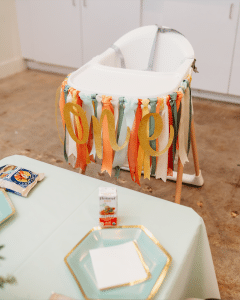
{"type": "Point", "coordinates": [62, 101]}
{"type": "Point", "coordinates": [90, 142]}
{"type": "Point", "coordinates": [134, 145]}
{"type": "Point", "coordinates": [108, 152]}
{"type": "Point", "coordinates": [179, 99]}
{"type": "Point", "coordinates": [82, 151]}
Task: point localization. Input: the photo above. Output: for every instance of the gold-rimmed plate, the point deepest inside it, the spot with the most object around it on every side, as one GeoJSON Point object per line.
{"type": "Point", "coordinates": [155, 256]}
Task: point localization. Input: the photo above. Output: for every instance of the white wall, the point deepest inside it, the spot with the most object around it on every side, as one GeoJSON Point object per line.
{"type": "Point", "coordinates": [11, 60]}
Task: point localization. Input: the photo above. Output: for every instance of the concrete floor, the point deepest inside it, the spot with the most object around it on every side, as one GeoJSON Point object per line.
{"type": "Point", "coordinates": [27, 120]}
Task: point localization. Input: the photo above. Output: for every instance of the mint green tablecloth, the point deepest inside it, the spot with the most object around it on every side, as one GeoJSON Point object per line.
{"type": "Point", "coordinates": [62, 208]}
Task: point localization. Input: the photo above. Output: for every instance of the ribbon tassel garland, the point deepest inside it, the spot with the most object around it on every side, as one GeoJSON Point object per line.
{"type": "Point", "coordinates": [149, 139]}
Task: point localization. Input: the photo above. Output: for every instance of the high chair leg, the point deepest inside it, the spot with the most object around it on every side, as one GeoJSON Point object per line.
{"type": "Point", "coordinates": [179, 182]}
{"type": "Point", "coordinates": [194, 149]}
{"type": "Point", "coordinates": [194, 179]}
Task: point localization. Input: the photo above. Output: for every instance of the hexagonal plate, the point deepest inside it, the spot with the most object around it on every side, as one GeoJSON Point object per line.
{"type": "Point", "coordinates": [155, 256]}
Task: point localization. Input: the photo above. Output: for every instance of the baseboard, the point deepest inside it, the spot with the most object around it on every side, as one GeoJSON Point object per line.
{"type": "Point", "coordinates": [216, 96]}
{"type": "Point", "coordinates": [12, 66]}
{"type": "Point", "coordinates": [32, 64]}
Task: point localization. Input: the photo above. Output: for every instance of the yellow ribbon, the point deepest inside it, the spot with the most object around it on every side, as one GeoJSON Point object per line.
{"type": "Point", "coordinates": [80, 130]}
{"type": "Point", "coordinates": [79, 127]}
{"type": "Point", "coordinates": [189, 78]}
{"type": "Point", "coordinates": [76, 110]}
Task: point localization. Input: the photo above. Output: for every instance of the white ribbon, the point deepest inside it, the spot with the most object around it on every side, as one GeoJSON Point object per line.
{"type": "Point", "coordinates": [131, 105]}
{"type": "Point", "coordinates": [184, 127]}
{"type": "Point", "coordinates": [99, 107]}
{"type": "Point", "coordinates": [162, 161]}
{"type": "Point", "coordinates": [115, 105]}
{"type": "Point", "coordinates": [71, 147]}
{"type": "Point", "coordinates": [87, 106]}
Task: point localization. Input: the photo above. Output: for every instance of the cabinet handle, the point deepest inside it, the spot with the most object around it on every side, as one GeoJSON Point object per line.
{"type": "Point", "coordinates": [84, 3]}
{"type": "Point", "coordinates": [73, 3]}
{"type": "Point", "coordinates": [230, 11]}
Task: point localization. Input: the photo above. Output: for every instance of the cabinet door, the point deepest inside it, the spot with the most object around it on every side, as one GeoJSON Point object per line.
{"type": "Point", "coordinates": [25, 28]}
{"type": "Point", "coordinates": [105, 21]}
{"type": "Point", "coordinates": [234, 86]}
{"type": "Point", "coordinates": [52, 31]}
{"type": "Point", "coordinates": [210, 27]}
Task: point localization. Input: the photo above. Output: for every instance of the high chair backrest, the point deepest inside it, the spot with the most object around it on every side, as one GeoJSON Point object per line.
{"type": "Point", "coordinates": [171, 49]}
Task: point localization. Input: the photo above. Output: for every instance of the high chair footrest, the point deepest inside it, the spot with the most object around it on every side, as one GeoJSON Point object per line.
{"type": "Point", "coordinates": [188, 178]}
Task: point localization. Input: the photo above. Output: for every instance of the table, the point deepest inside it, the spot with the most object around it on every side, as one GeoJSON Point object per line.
{"type": "Point", "coordinates": [62, 208]}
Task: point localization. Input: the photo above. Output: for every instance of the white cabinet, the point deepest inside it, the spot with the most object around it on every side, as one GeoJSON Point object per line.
{"type": "Point", "coordinates": [105, 21]}
{"type": "Point", "coordinates": [71, 32]}
{"type": "Point", "coordinates": [25, 28]}
{"type": "Point", "coordinates": [234, 86]}
{"type": "Point", "coordinates": [210, 27]}
{"type": "Point", "coordinates": [50, 31]}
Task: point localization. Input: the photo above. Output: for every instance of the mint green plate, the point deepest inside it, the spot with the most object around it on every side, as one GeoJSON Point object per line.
{"type": "Point", "coordinates": [155, 256]}
{"type": "Point", "coordinates": [6, 207]}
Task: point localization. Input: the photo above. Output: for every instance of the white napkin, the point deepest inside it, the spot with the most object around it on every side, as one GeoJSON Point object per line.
{"type": "Point", "coordinates": [118, 265]}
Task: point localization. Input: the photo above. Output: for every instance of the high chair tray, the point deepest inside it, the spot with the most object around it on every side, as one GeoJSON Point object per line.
{"type": "Point", "coordinates": [95, 78]}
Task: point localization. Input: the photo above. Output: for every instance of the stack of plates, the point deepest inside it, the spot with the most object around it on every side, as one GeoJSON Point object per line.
{"type": "Point", "coordinates": [154, 255]}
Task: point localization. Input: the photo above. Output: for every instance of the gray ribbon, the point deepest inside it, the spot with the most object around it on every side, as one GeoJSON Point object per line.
{"type": "Point", "coordinates": [93, 97]}
{"type": "Point", "coordinates": [120, 55]}
{"type": "Point", "coordinates": [120, 115]}
{"type": "Point", "coordinates": [65, 137]}
{"type": "Point", "coordinates": [174, 115]}
{"type": "Point", "coordinates": [153, 103]}
{"type": "Point", "coordinates": [152, 54]}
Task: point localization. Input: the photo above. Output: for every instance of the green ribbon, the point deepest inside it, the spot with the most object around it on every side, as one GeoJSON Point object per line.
{"type": "Point", "coordinates": [173, 105]}
{"type": "Point", "coordinates": [185, 85]}
{"type": "Point", "coordinates": [120, 120]}
{"type": "Point", "coordinates": [120, 116]}
{"type": "Point", "coordinates": [93, 97]}
{"type": "Point", "coordinates": [179, 115]}
{"type": "Point", "coordinates": [153, 103]}
{"type": "Point", "coordinates": [117, 171]}
{"type": "Point", "coordinates": [65, 97]}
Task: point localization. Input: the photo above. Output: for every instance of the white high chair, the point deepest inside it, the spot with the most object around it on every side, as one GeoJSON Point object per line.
{"type": "Point", "coordinates": [147, 62]}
